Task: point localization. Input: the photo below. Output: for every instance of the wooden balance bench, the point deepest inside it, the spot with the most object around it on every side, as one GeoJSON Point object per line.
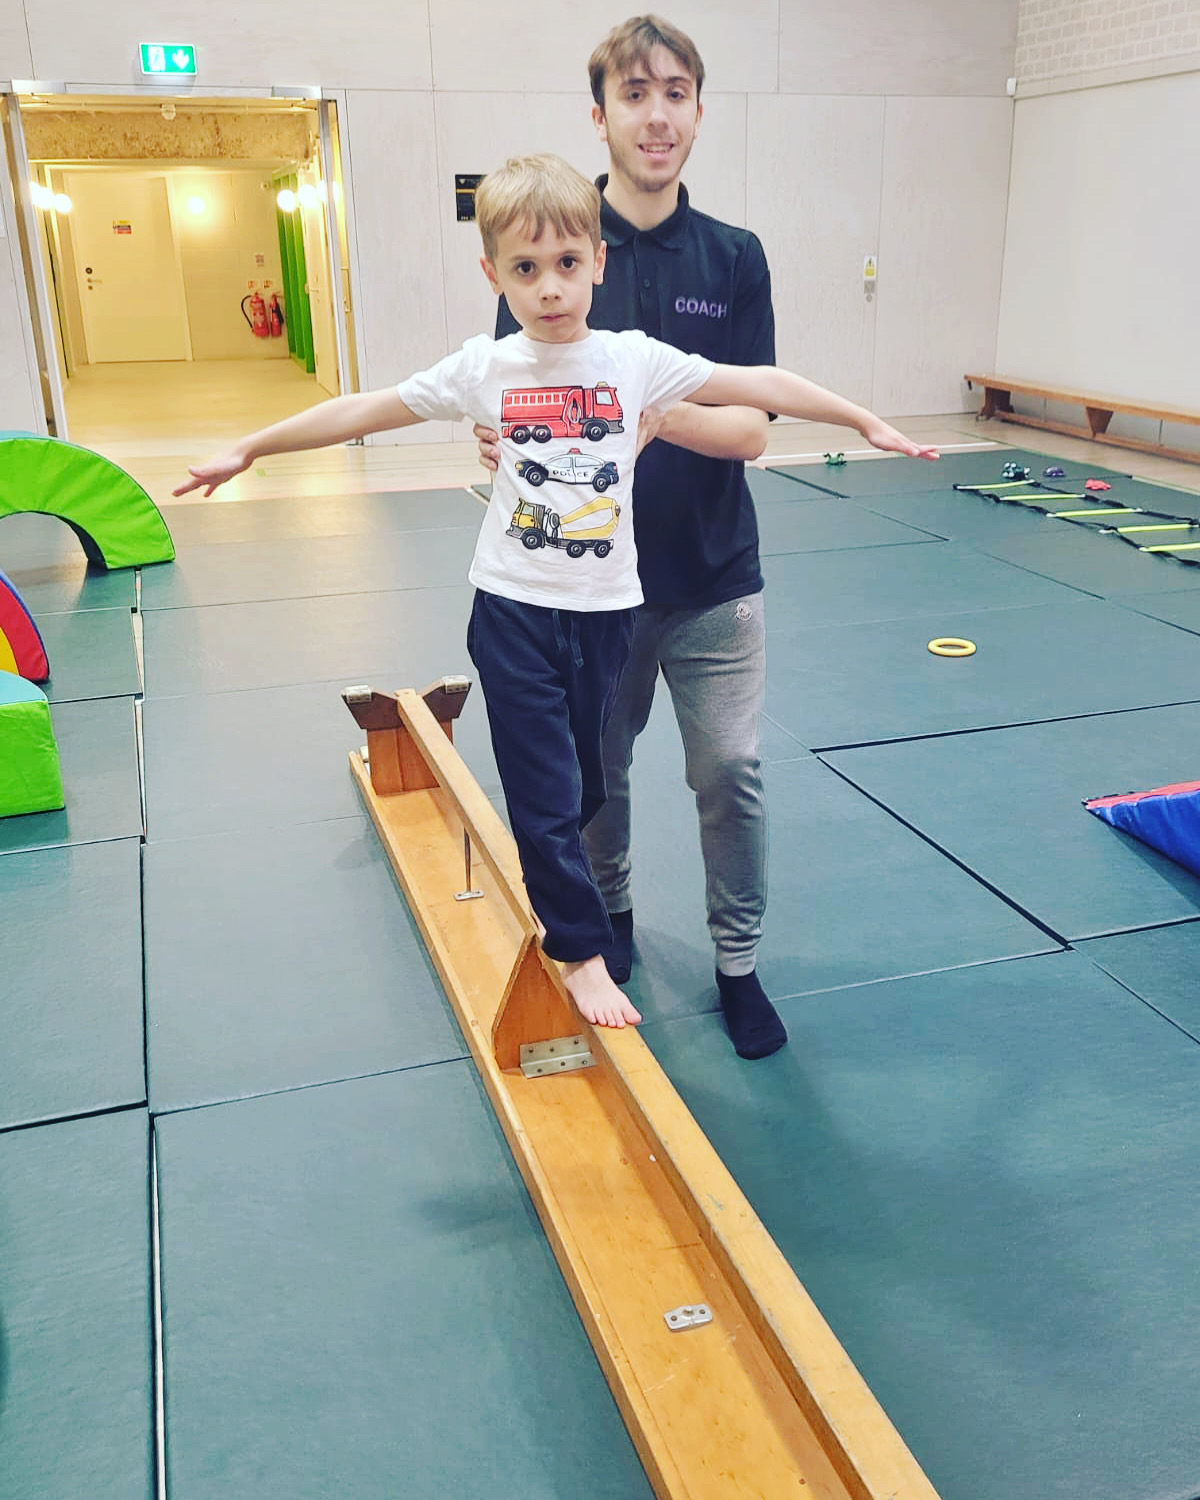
{"type": "Point", "coordinates": [998, 392]}
{"type": "Point", "coordinates": [732, 1385]}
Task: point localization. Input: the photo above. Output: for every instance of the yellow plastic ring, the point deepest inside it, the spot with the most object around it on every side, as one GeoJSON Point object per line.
{"type": "Point", "coordinates": [952, 645]}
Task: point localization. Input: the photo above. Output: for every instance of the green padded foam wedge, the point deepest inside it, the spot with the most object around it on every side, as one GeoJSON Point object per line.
{"type": "Point", "coordinates": [113, 517]}
{"type": "Point", "coordinates": [30, 780]}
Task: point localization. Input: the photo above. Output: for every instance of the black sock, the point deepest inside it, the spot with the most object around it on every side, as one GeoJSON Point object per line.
{"type": "Point", "coordinates": [619, 958]}
{"type": "Point", "coordinates": [753, 1022]}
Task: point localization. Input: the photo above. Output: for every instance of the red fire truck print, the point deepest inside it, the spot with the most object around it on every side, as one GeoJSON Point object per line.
{"type": "Point", "coordinates": [561, 411]}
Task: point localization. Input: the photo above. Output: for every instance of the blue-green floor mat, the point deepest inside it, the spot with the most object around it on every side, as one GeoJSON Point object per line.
{"type": "Point", "coordinates": [854, 896]}
{"type": "Point", "coordinates": [1160, 965]}
{"type": "Point", "coordinates": [97, 751]}
{"type": "Point", "coordinates": [390, 640]}
{"type": "Point", "coordinates": [304, 567]}
{"type": "Point", "coordinates": [359, 1301]}
{"type": "Point", "coordinates": [1179, 608]}
{"type": "Point", "coordinates": [50, 588]}
{"type": "Point", "coordinates": [988, 1181]}
{"type": "Point", "coordinates": [846, 685]}
{"type": "Point", "coordinates": [91, 654]}
{"type": "Point", "coordinates": [1096, 563]}
{"type": "Point", "coordinates": [877, 583]}
{"type": "Point", "coordinates": [1007, 805]}
{"type": "Point", "coordinates": [71, 993]}
{"type": "Point", "coordinates": [266, 757]}
{"type": "Point", "coordinates": [897, 476]}
{"type": "Point", "coordinates": [319, 515]}
{"type": "Point", "coordinates": [824, 525]}
{"type": "Point", "coordinates": [76, 1373]}
{"type": "Point", "coordinates": [281, 958]}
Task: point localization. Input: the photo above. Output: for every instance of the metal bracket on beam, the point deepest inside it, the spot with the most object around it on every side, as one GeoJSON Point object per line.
{"type": "Point", "coordinates": [565, 1054]}
{"type": "Point", "coordinates": [692, 1316]}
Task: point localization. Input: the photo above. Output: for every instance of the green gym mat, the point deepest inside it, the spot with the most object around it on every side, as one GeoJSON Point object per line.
{"type": "Point", "coordinates": [52, 587]}
{"type": "Point", "coordinates": [853, 895]}
{"type": "Point", "coordinates": [303, 567]}
{"type": "Point", "coordinates": [97, 752]}
{"type": "Point", "coordinates": [825, 525]}
{"type": "Point", "coordinates": [31, 538]}
{"type": "Point", "coordinates": [280, 958]}
{"type": "Point", "coordinates": [1179, 608]}
{"type": "Point", "coordinates": [76, 1383]}
{"type": "Point", "coordinates": [404, 638]}
{"type": "Point", "coordinates": [878, 583]}
{"type": "Point", "coordinates": [1096, 563]}
{"type": "Point", "coordinates": [359, 1301]}
{"type": "Point", "coordinates": [229, 762]}
{"type": "Point", "coordinates": [71, 1006]}
{"type": "Point", "coordinates": [897, 476]}
{"type": "Point", "coordinates": [1007, 806]}
{"type": "Point", "coordinates": [319, 515]}
{"type": "Point", "coordinates": [91, 654]}
{"type": "Point", "coordinates": [987, 1179]}
{"type": "Point", "coordinates": [846, 685]}
{"type": "Point", "coordinates": [1160, 967]}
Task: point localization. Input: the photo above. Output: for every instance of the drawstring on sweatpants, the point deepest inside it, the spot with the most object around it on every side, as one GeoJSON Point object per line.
{"type": "Point", "coordinates": [569, 642]}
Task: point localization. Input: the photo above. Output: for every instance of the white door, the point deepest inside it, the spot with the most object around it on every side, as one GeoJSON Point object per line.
{"type": "Point", "coordinates": [128, 271]}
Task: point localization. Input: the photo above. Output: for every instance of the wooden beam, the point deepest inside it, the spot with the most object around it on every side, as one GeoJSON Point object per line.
{"type": "Point", "coordinates": [762, 1403]}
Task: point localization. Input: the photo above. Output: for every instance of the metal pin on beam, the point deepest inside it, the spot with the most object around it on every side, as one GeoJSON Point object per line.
{"type": "Point", "coordinates": [467, 894]}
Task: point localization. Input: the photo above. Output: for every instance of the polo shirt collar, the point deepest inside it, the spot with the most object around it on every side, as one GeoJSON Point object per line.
{"type": "Point", "coordinates": [670, 234]}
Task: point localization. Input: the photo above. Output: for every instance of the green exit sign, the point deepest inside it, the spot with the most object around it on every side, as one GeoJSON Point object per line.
{"type": "Point", "coordinates": [162, 59]}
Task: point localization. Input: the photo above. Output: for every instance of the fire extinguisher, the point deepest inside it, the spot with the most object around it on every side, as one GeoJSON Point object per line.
{"type": "Point", "coordinates": [275, 315]}
{"type": "Point", "coordinates": [256, 318]}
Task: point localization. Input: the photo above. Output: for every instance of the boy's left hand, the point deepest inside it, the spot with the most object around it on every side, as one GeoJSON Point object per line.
{"type": "Point", "coordinates": [880, 435]}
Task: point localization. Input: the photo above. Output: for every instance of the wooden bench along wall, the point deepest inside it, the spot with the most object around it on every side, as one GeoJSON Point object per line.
{"type": "Point", "coordinates": [998, 392]}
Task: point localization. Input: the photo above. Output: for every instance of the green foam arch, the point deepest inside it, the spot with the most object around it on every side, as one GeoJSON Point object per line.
{"type": "Point", "coordinates": [114, 518]}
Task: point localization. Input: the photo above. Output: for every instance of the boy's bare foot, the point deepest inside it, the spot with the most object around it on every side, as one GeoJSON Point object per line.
{"type": "Point", "coordinates": [596, 997]}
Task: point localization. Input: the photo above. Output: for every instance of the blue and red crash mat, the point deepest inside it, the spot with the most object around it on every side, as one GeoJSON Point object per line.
{"type": "Point", "coordinates": [1166, 817]}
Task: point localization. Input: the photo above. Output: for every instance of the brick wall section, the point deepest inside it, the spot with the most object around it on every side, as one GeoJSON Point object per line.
{"type": "Point", "coordinates": [1057, 39]}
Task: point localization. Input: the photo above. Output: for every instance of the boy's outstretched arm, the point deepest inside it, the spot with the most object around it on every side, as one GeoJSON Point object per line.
{"type": "Point", "coordinates": [772, 389]}
{"type": "Point", "coordinates": [334, 421]}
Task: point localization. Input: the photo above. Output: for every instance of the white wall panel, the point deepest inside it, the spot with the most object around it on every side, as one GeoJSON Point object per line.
{"type": "Point", "coordinates": [252, 44]}
{"type": "Point", "coordinates": [1103, 218]}
{"type": "Point", "coordinates": [17, 359]}
{"type": "Point", "coordinates": [543, 46]}
{"type": "Point", "coordinates": [896, 46]}
{"type": "Point", "coordinates": [401, 313]}
{"type": "Point", "coordinates": [941, 246]}
{"type": "Point", "coordinates": [15, 58]}
{"type": "Point", "coordinates": [815, 174]}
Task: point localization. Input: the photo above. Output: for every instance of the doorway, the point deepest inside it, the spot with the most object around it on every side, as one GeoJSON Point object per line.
{"type": "Point", "coordinates": [163, 236]}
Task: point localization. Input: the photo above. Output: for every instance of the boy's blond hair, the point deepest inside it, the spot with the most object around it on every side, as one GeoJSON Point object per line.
{"type": "Point", "coordinates": [629, 46]}
{"type": "Point", "coordinates": [536, 191]}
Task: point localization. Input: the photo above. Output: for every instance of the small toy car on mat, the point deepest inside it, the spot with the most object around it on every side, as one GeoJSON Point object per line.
{"type": "Point", "coordinates": [1014, 471]}
{"type": "Point", "coordinates": [1055, 471]}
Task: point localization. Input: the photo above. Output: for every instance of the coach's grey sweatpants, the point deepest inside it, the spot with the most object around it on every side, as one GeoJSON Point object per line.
{"type": "Point", "coordinates": [714, 664]}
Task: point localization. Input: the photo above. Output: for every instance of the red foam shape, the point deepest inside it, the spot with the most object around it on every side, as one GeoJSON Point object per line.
{"type": "Point", "coordinates": [23, 637]}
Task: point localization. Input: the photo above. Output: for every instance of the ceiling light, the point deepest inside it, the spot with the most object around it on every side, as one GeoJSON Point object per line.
{"type": "Point", "coordinates": [41, 195]}
{"type": "Point", "coordinates": [196, 204]}
{"type": "Point", "coordinates": [62, 204]}
{"type": "Point", "coordinates": [287, 200]}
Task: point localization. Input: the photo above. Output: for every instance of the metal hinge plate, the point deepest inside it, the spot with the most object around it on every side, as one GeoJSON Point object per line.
{"type": "Point", "coordinates": [691, 1316]}
{"type": "Point", "coordinates": [562, 1055]}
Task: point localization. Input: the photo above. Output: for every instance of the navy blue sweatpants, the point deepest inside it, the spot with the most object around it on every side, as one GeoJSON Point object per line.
{"type": "Point", "coordinates": [549, 677]}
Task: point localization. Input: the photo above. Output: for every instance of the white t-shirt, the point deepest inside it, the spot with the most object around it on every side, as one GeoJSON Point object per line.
{"type": "Point", "coordinates": [559, 526]}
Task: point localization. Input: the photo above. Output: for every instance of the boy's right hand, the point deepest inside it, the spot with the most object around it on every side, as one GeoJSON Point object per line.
{"type": "Point", "coordinates": [216, 471]}
{"type": "Point", "coordinates": [489, 446]}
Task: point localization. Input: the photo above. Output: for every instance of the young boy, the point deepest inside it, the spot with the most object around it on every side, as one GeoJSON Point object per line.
{"type": "Point", "coordinates": [555, 566]}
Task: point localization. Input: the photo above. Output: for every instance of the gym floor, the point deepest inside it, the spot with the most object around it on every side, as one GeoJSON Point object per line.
{"type": "Point", "coordinates": [259, 1232]}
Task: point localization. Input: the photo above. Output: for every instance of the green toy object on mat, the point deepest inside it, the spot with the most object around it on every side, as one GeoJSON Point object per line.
{"type": "Point", "coordinates": [30, 779]}
{"type": "Point", "coordinates": [111, 514]}
{"type": "Point", "coordinates": [835, 460]}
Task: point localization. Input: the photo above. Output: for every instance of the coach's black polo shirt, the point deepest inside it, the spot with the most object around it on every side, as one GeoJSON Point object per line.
{"type": "Point", "coordinates": [704, 287]}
